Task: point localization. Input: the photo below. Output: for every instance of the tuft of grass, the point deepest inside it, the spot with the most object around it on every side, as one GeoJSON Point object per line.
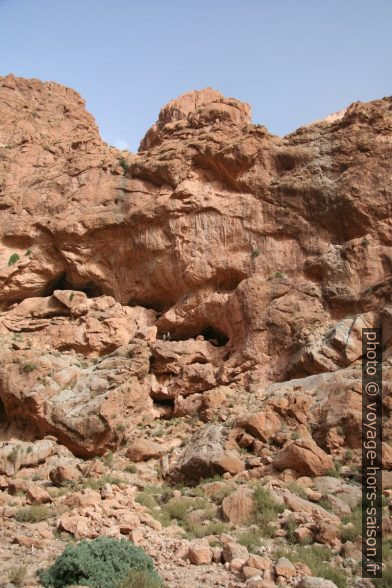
{"type": "Point", "coordinates": [348, 455]}
{"type": "Point", "coordinates": [317, 558]}
{"type": "Point", "coordinates": [130, 468]}
{"type": "Point", "coordinates": [141, 579]}
{"type": "Point", "coordinates": [28, 367]}
{"type": "Point", "coordinates": [13, 456]}
{"type": "Point", "coordinates": [251, 538]}
{"type": "Point", "coordinates": [17, 575]}
{"type": "Point", "coordinates": [266, 510]}
{"type": "Point", "coordinates": [221, 494]}
{"type": "Point", "coordinates": [14, 258]}
{"type": "Point", "coordinates": [290, 527]}
{"type": "Point", "coordinates": [351, 533]}
{"type": "Point", "coordinates": [297, 489]}
{"type": "Point", "coordinates": [198, 530]}
{"type": "Point", "coordinates": [98, 483]}
{"type": "Point", "coordinates": [336, 471]}
{"type": "Point", "coordinates": [108, 458]}
{"type": "Point", "coordinates": [123, 164]}
{"type": "Point", "coordinates": [255, 252]}
{"type": "Point", "coordinates": [177, 508]}
{"type": "Point", "coordinates": [33, 514]}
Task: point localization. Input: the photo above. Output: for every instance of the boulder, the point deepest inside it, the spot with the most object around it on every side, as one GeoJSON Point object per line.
{"type": "Point", "coordinates": [237, 508]}
{"type": "Point", "coordinates": [144, 449]}
{"type": "Point", "coordinates": [199, 553]}
{"type": "Point", "coordinates": [304, 456]}
{"type": "Point", "coordinates": [205, 456]}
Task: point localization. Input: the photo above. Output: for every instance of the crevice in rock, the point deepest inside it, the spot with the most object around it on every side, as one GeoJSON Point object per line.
{"type": "Point", "coordinates": [62, 282]}
{"type": "Point", "coordinates": [3, 414]}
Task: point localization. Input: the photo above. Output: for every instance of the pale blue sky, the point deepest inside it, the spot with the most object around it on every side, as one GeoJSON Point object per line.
{"type": "Point", "coordinates": [293, 60]}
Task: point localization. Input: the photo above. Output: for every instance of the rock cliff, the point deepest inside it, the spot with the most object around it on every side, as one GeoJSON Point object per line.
{"type": "Point", "coordinates": [219, 274]}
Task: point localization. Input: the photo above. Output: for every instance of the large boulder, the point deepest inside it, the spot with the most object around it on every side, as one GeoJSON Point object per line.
{"type": "Point", "coordinates": [304, 456]}
{"type": "Point", "coordinates": [205, 456]}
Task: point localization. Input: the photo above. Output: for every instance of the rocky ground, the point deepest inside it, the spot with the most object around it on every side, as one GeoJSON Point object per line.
{"type": "Point", "coordinates": [180, 336]}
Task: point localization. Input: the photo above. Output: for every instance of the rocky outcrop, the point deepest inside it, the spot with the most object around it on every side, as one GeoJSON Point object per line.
{"type": "Point", "coordinates": [189, 311]}
{"type": "Point", "coordinates": [224, 229]}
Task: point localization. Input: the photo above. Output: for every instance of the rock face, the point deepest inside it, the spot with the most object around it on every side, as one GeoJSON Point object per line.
{"type": "Point", "coordinates": [132, 285]}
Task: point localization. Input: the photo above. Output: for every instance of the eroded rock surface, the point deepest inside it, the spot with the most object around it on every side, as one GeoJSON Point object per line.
{"type": "Point", "coordinates": [189, 311]}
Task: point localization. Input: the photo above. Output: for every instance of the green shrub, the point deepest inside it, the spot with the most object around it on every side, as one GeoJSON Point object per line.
{"type": "Point", "coordinates": [33, 514]}
{"type": "Point", "coordinates": [13, 259]}
{"type": "Point", "coordinates": [101, 563]}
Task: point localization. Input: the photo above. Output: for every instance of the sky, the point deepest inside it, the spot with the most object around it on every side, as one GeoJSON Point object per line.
{"type": "Point", "coordinates": [294, 61]}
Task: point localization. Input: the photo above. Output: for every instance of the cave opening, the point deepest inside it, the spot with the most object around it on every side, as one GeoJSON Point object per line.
{"type": "Point", "coordinates": [209, 333]}
{"type": "Point", "coordinates": [62, 282]}
{"type": "Point", "coordinates": [214, 336]}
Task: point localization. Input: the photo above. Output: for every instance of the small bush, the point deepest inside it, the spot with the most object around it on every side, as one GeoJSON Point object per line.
{"type": "Point", "coordinates": [17, 575]}
{"type": "Point", "coordinates": [255, 252]}
{"type": "Point", "coordinates": [13, 259]}
{"type": "Point", "coordinates": [33, 514]}
{"type": "Point", "coordinates": [101, 563]}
